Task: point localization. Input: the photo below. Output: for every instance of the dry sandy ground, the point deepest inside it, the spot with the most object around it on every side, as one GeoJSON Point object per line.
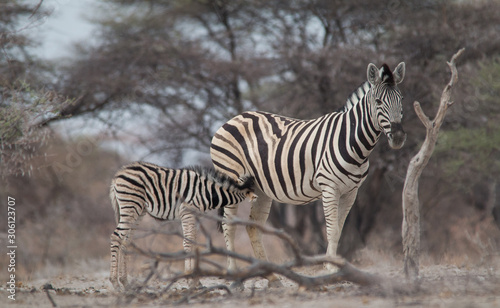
{"type": "Point", "coordinates": [440, 286]}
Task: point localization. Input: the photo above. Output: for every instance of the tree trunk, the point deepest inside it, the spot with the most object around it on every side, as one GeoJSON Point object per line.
{"type": "Point", "coordinates": [411, 205]}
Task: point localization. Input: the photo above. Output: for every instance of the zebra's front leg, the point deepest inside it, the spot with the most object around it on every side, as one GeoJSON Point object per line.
{"type": "Point", "coordinates": [188, 223]}
{"type": "Point", "coordinates": [345, 204]}
{"type": "Point", "coordinates": [259, 213]}
{"type": "Point", "coordinates": [331, 200]}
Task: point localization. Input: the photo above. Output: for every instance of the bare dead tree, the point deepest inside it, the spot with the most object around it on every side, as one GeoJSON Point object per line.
{"type": "Point", "coordinates": [411, 211]}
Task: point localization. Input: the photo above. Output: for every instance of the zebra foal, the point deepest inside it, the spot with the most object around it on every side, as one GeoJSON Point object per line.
{"type": "Point", "coordinates": [297, 161]}
{"type": "Point", "coordinates": [167, 194]}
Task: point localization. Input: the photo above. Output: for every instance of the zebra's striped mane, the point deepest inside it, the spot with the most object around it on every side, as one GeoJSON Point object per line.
{"type": "Point", "coordinates": [225, 181]}
{"type": "Point", "coordinates": [386, 77]}
{"type": "Point", "coordinates": [355, 97]}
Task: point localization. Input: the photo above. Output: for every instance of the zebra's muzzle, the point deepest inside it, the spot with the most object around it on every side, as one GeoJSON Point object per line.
{"type": "Point", "coordinates": [397, 136]}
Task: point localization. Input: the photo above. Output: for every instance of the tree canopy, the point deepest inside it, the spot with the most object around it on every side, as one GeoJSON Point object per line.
{"type": "Point", "coordinates": [169, 73]}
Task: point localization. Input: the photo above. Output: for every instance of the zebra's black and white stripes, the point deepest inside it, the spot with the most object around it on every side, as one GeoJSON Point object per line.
{"type": "Point", "coordinates": [169, 194]}
{"type": "Point", "coordinates": [297, 161]}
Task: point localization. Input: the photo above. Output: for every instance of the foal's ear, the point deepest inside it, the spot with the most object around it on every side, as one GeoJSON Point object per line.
{"type": "Point", "coordinates": [372, 74]}
{"type": "Point", "coordinates": [399, 73]}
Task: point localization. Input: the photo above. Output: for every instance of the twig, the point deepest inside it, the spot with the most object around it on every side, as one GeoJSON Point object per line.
{"type": "Point", "coordinates": [47, 287]}
{"type": "Point", "coordinates": [130, 297]}
{"type": "Point", "coordinates": [297, 252]}
{"type": "Point", "coordinates": [204, 291]}
{"type": "Point", "coordinates": [36, 9]}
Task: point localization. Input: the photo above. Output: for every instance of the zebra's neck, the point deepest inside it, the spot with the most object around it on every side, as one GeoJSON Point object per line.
{"type": "Point", "coordinates": [355, 96]}
{"type": "Point", "coordinates": [363, 133]}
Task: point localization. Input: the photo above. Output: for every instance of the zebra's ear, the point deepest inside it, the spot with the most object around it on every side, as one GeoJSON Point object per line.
{"type": "Point", "coordinates": [373, 74]}
{"type": "Point", "coordinates": [399, 73]}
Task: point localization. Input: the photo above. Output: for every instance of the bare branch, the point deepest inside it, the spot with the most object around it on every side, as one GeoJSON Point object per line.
{"type": "Point", "coordinates": [36, 9]}
{"type": "Point", "coordinates": [189, 296]}
{"type": "Point", "coordinates": [446, 95]}
{"type": "Point", "coordinates": [262, 268]}
{"type": "Point", "coordinates": [421, 115]}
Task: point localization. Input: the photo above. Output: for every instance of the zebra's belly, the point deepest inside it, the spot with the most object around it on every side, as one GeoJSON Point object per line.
{"type": "Point", "coordinates": [310, 190]}
{"type": "Point", "coordinates": [165, 211]}
{"type": "Point", "coordinates": [292, 193]}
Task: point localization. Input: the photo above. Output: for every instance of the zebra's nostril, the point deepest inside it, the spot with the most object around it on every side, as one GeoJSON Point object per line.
{"type": "Point", "coordinates": [399, 134]}
{"type": "Point", "coordinates": [396, 127]}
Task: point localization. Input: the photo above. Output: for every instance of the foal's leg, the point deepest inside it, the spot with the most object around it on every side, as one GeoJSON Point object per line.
{"type": "Point", "coordinates": [230, 212]}
{"type": "Point", "coordinates": [189, 232]}
{"type": "Point", "coordinates": [116, 247]}
{"type": "Point", "coordinates": [128, 217]}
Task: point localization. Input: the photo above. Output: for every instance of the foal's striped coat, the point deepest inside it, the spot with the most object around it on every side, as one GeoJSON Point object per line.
{"type": "Point", "coordinates": [168, 194]}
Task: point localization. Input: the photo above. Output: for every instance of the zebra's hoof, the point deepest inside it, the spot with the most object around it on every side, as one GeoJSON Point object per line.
{"type": "Point", "coordinates": [116, 286]}
{"type": "Point", "coordinates": [330, 268]}
{"type": "Point", "coordinates": [274, 284]}
{"type": "Point", "coordinates": [196, 285]}
{"type": "Point", "coordinates": [237, 286]}
{"type": "Point", "coordinates": [124, 282]}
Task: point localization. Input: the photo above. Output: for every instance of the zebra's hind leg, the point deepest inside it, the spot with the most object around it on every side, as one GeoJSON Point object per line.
{"type": "Point", "coordinates": [129, 218]}
{"type": "Point", "coordinates": [116, 244]}
{"type": "Point", "coordinates": [118, 271]}
{"type": "Point", "coordinates": [189, 234]}
{"type": "Point", "coordinates": [259, 213]}
{"type": "Point", "coordinates": [229, 233]}
{"type": "Point", "coordinates": [122, 269]}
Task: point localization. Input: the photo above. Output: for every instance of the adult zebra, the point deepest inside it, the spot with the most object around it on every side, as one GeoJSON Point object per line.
{"type": "Point", "coordinates": [298, 161]}
{"type": "Point", "coordinates": [168, 194]}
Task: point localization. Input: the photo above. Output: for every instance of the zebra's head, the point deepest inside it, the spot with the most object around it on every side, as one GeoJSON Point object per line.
{"type": "Point", "coordinates": [246, 185]}
{"type": "Point", "coordinates": [386, 101]}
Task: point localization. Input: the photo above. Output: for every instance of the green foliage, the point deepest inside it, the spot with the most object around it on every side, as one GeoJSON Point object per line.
{"type": "Point", "coordinates": [22, 114]}
{"type": "Point", "coordinates": [487, 84]}
{"type": "Point", "coordinates": [10, 124]}
{"type": "Point", "coordinates": [24, 102]}
{"type": "Point", "coordinates": [468, 154]}
{"type": "Point", "coordinates": [475, 151]}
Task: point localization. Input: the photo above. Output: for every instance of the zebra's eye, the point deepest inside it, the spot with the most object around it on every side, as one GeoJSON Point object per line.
{"type": "Point", "coordinates": [378, 101]}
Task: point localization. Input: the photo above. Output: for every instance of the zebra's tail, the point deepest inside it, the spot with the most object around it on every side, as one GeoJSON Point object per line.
{"type": "Point", "coordinates": [114, 202]}
{"type": "Point", "coordinates": [245, 182]}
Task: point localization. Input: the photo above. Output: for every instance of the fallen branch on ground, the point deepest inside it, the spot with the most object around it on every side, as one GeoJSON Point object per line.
{"type": "Point", "coordinates": [262, 268]}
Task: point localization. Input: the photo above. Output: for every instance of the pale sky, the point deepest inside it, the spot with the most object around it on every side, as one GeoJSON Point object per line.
{"type": "Point", "coordinates": [66, 25]}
